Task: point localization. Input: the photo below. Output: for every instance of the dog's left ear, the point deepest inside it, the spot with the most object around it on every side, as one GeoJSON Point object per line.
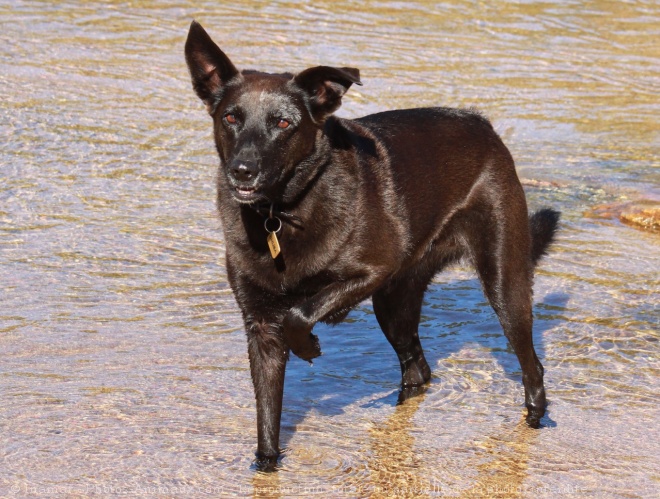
{"type": "Point", "coordinates": [326, 85]}
{"type": "Point", "coordinates": [210, 69]}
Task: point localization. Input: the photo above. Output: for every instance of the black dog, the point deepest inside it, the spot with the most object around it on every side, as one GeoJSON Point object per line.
{"type": "Point", "coordinates": [320, 213]}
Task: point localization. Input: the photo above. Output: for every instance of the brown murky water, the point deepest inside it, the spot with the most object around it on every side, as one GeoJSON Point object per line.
{"type": "Point", "coordinates": [122, 360]}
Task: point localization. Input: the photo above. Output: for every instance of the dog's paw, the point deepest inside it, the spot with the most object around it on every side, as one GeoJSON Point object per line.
{"type": "Point", "coordinates": [534, 416]}
{"type": "Point", "coordinates": [408, 392]}
{"type": "Point", "coordinates": [298, 336]}
{"type": "Point", "coordinates": [309, 349]}
{"type": "Point", "coordinates": [267, 464]}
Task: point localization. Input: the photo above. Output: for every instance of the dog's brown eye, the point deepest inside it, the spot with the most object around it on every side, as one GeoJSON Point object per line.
{"type": "Point", "coordinates": [283, 124]}
{"type": "Point", "coordinates": [230, 118]}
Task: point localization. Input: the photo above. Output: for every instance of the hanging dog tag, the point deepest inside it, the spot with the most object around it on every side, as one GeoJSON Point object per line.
{"type": "Point", "coordinates": [273, 243]}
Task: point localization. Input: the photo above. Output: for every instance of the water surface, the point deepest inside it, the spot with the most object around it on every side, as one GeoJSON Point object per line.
{"type": "Point", "coordinates": [124, 366]}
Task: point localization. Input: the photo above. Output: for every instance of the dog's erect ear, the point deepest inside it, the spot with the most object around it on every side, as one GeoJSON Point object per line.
{"type": "Point", "coordinates": [326, 86]}
{"type": "Point", "coordinates": [209, 67]}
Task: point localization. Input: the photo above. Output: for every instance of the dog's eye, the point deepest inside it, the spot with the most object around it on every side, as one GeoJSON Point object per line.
{"type": "Point", "coordinates": [230, 118]}
{"type": "Point", "coordinates": [282, 123]}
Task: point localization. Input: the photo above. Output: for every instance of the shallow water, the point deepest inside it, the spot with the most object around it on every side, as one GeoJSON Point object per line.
{"type": "Point", "coordinates": [124, 367]}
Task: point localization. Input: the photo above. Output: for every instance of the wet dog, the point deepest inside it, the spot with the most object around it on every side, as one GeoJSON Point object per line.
{"type": "Point", "coordinates": [320, 213]}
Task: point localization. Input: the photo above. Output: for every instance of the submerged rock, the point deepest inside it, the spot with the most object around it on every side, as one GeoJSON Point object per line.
{"type": "Point", "coordinates": [641, 217]}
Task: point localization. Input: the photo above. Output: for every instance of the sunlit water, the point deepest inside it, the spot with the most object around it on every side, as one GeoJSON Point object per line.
{"type": "Point", "coordinates": [123, 365]}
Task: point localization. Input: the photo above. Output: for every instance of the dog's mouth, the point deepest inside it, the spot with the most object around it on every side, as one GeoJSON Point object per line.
{"type": "Point", "coordinates": [245, 194]}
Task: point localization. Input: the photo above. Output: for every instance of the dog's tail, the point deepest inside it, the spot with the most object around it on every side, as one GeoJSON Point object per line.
{"type": "Point", "coordinates": [543, 225]}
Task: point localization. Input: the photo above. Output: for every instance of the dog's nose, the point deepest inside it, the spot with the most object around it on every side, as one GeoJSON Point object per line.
{"type": "Point", "coordinates": [244, 171]}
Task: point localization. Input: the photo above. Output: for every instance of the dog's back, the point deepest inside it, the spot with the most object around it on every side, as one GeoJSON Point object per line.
{"type": "Point", "coordinates": [450, 174]}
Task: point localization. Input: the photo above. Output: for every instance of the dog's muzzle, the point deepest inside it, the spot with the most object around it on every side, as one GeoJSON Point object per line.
{"type": "Point", "coordinates": [243, 176]}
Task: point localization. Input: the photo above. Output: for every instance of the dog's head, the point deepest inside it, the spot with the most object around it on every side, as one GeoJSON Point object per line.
{"type": "Point", "coordinates": [266, 125]}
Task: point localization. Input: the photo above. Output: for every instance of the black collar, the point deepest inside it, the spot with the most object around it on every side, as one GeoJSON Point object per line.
{"type": "Point", "coordinates": [269, 210]}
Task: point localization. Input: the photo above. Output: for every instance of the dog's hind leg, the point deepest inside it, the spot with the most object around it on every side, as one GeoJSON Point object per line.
{"type": "Point", "coordinates": [501, 252]}
{"type": "Point", "coordinates": [398, 307]}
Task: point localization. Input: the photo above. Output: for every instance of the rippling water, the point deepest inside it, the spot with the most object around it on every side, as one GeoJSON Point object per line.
{"type": "Point", "coordinates": [123, 364]}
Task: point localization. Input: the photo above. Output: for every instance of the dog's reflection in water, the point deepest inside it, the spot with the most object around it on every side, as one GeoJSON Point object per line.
{"type": "Point", "coordinates": [397, 468]}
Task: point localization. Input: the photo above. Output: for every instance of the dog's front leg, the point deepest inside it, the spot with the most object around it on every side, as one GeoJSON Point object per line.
{"type": "Point", "coordinates": [300, 320]}
{"type": "Point", "coordinates": [268, 355]}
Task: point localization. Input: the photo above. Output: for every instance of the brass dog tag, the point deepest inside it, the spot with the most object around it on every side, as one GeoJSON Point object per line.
{"type": "Point", "coordinates": [273, 244]}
